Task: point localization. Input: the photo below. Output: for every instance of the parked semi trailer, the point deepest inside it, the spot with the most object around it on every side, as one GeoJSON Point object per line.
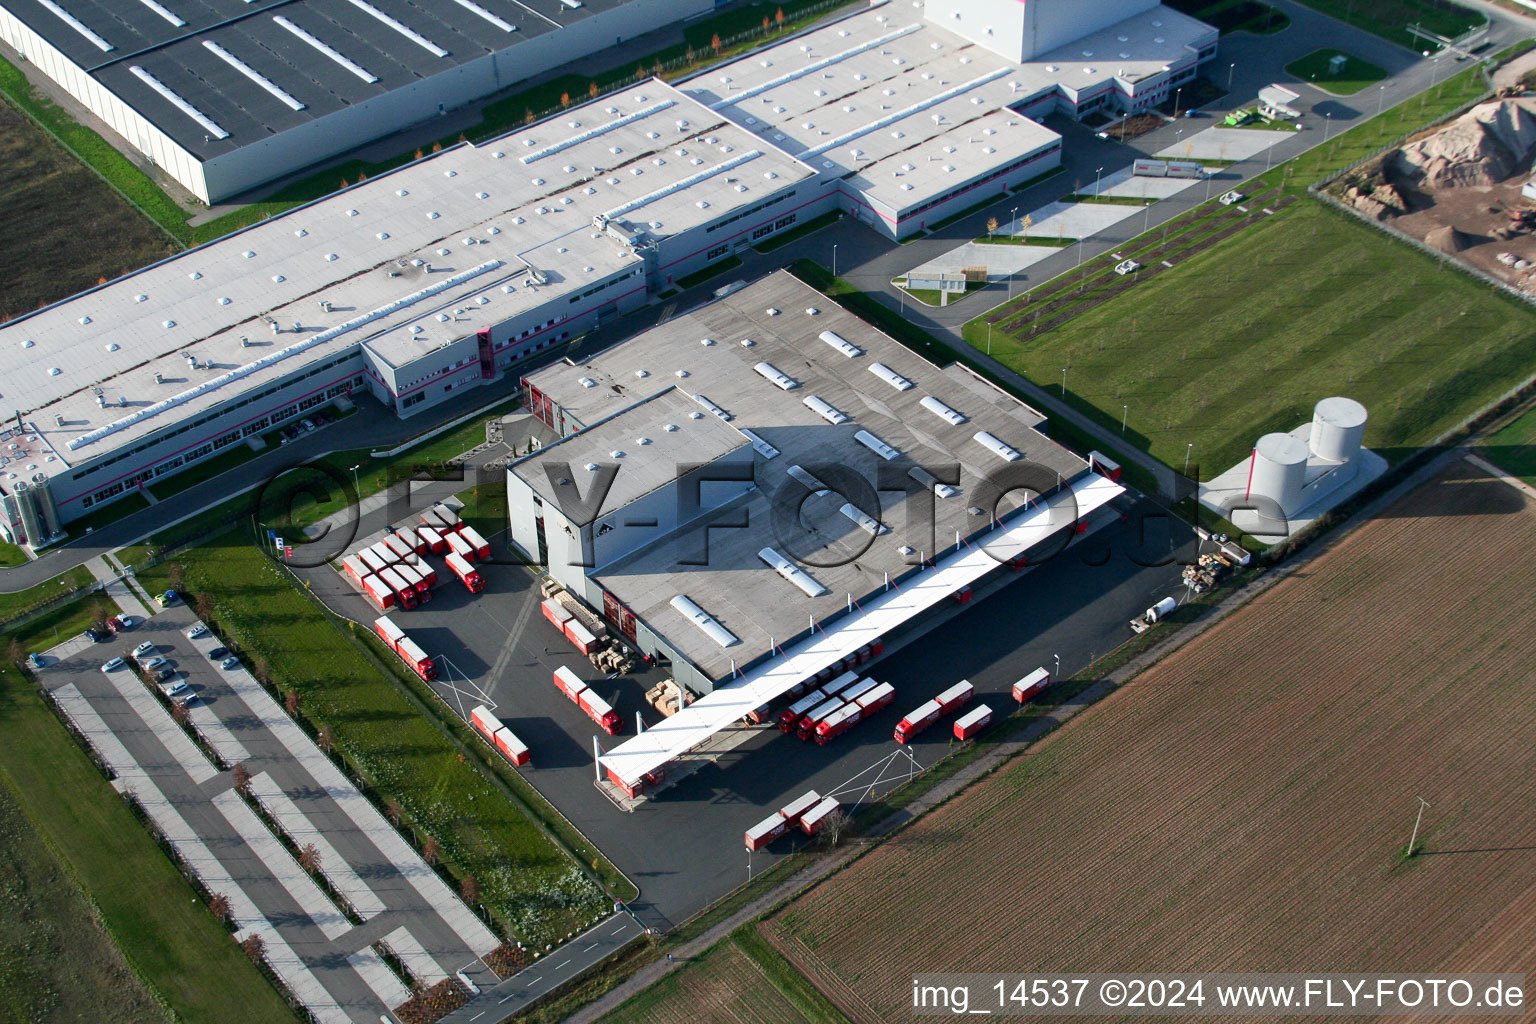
{"type": "Point", "coordinates": [499, 736]}
{"type": "Point", "coordinates": [766, 831]}
{"type": "Point", "coordinates": [1031, 684]}
{"type": "Point", "coordinates": [972, 722]}
{"type": "Point", "coordinates": [409, 651]}
{"type": "Point", "coordinates": [793, 811]}
{"type": "Point", "coordinates": [928, 713]}
{"type": "Point", "coordinates": [466, 573]}
{"type": "Point", "coordinates": [481, 546]}
{"type": "Point", "coordinates": [379, 592]}
{"type": "Point", "coordinates": [595, 707]}
{"type": "Point", "coordinates": [813, 820]}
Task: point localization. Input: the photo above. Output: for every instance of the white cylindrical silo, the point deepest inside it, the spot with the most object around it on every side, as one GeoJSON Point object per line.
{"type": "Point", "coordinates": [30, 524]}
{"type": "Point", "coordinates": [1279, 470]}
{"type": "Point", "coordinates": [1338, 426]}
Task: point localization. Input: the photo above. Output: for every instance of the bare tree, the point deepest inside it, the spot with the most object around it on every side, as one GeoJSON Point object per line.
{"type": "Point", "coordinates": [991, 226]}
{"type": "Point", "coordinates": [261, 668]}
{"type": "Point", "coordinates": [291, 703]}
{"type": "Point", "coordinates": [179, 713]}
{"type": "Point", "coordinates": [203, 607]}
{"type": "Point", "coordinates": [255, 948]}
{"type": "Point", "coordinates": [15, 652]}
{"type": "Point", "coordinates": [309, 859]}
{"type": "Point", "coordinates": [470, 889]}
{"type": "Point", "coordinates": [431, 852]}
{"type": "Point", "coordinates": [393, 811]}
{"type": "Point", "coordinates": [834, 828]}
{"type": "Point", "coordinates": [218, 904]}
{"type": "Point", "coordinates": [241, 776]}
{"type": "Point", "coordinates": [327, 738]}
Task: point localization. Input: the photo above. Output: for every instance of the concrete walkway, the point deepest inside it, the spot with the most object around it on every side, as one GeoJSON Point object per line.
{"type": "Point", "coordinates": [117, 588]}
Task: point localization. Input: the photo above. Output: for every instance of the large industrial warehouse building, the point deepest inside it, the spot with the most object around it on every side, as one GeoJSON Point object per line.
{"type": "Point", "coordinates": [753, 491]}
{"type": "Point", "coordinates": [442, 274]}
{"type": "Point", "coordinates": [225, 95]}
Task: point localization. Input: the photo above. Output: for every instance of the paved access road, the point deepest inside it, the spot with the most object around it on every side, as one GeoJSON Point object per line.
{"type": "Point", "coordinates": [323, 952]}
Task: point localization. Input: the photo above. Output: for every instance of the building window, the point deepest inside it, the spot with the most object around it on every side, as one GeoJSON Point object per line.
{"type": "Point", "coordinates": [784, 222]}
{"type": "Point", "coordinates": [717, 252]}
{"type": "Point", "coordinates": [410, 400]}
{"type": "Point", "coordinates": [766, 229]}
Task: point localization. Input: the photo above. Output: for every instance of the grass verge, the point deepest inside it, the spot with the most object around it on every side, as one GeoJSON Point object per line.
{"type": "Point", "coordinates": [724, 266]}
{"type": "Point", "coordinates": [1390, 18]}
{"type": "Point", "coordinates": [783, 238]}
{"type": "Point", "coordinates": [1354, 76]}
{"type": "Point", "coordinates": [1513, 447]}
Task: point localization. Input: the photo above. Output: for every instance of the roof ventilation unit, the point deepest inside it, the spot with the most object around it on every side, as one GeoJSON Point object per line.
{"type": "Point", "coordinates": [876, 445]}
{"type": "Point", "coordinates": [890, 376]}
{"type": "Point", "coordinates": [868, 523]}
{"type": "Point", "coordinates": [804, 476]}
{"type": "Point", "coordinates": [760, 446]}
{"type": "Point", "coordinates": [941, 410]}
{"type": "Point", "coordinates": [826, 410]}
{"type": "Point", "coordinates": [840, 343]}
{"type": "Point", "coordinates": [706, 622]}
{"type": "Point", "coordinates": [991, 442]}
{"type": "Point", "coordinates": [712, 407]}
{"type": "Point", "coordinates": [792, 572]}
{"type": "Point", "coordinates": [776, 376]}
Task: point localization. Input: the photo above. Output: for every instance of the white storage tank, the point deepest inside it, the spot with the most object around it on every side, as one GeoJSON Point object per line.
{"type": "Point", "coordinates": [1338, 426]}
{"type": "Point", "coordinates": [1280, 470]}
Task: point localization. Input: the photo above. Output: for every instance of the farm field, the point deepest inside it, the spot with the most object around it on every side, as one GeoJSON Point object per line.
{"type": "Point", "coordinates": [740, 979]}
{"type": "Point", "coordinates": [63, 227]}
{"type": "Point", "coordinates": [1218, 350]}
{"type": "Point", "coordinates": [1245, 803]}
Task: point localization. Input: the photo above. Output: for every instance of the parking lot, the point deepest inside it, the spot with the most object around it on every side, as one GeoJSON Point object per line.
{"type": "Point", "coordinates": [321, 943]}
{"type": "Point", "coordinates": [684, 849]}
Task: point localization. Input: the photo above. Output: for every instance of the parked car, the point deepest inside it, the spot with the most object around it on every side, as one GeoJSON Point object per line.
{"type": "Point", "coordinates": [127, 621]}
{"type": "Point", "coordinates": [1231, 198]}
{"type": "Point", "coordinates": [186, 699]}
{"type": "Point", "coordinates": [174, 689]}
{"type": "Point", "coordinates": [97, 634]}
{"type": "Point", "coordinates": [230, 662]}
{"type": "Point", "coordinates": [217, 653]}
{"type": "Point", "coordinates": [113, 665]}
{"type": "Point", "coordinates": [164, 672]}
{"type": "Point", "coordinates": [114, 624]}
{"type": "Point", "coordinates": [153, 664]}
{"type": "Point", "coordinates": [196, 631]}
{"type": "Point", "coordinates": [167, 599]}
{"type": "Point", "coordinates": [144, 648]}
{"type": "Point", "coordinates": [35, 660]}
{"type": "Point", "coordinates": [1127, 267]}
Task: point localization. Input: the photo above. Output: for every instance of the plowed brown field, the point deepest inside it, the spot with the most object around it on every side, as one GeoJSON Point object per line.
{"type": "Point", "coordinates": [1245, 803]}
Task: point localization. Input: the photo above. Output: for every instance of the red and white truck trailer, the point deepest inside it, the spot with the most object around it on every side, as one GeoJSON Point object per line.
{"type": "Point", "coordinates": [807, 727]}
{"type": "Point", "coordinates": [405, 594]}
{"type": "Point", "coordinates": [379, 592]}
{"type": "Point", "coordinates": [371, 560]}
{"type": "Point", "coordinates": [480, 544]}
{"type": "Point", "coordinates": [595, 707]}
{"type": "Point", "coordinates": [404, 550]}
{"type": "Point", "coordinates": [956, 696]}
{"type": "Point", "coordinates": [930, 712]}
{"type": "Point", "coordinates": [412, 538]}
{"type": "Point", "coordinates": [467, 575]}
{"type": "Point", "coordinates": [385, 554]}
{"type": "Point", "coordinates": [415, 580]}
{"type": "Point", "coordinates": [579, 635]}
{"type": "Point", "coordinates": [972, 722]}
{"type": "Point", "coordinates": [1031, 684]}
{"type": "Point", "coordinates": [459, 546]}
{"type": "Point", "coordinates": [432, 539]}
{"type": "Point", "coordinates": [837, 685]}
{"type": "Point", "coordinates": [838, 722]}
{"type": "Point", "coordinates": [766, 831]}
{"type": "Point", "coordinates": [557, 613]}
{"type": "Point", "coordinates": [409, 651]}
{"type": "Point", "coordinates": [499, 736]}
{"type": "Point", "coordinates": [441, 517]}
{"type": "Point", "coordinates": [877, 699]}
{"type": "Point", "coordinates": [355, 568]}
{"type": "Point", "coordinates": [789, 718]}
{"type": "Point", "coordinates": [793, 811]}
{"type": "Point", "coordinates": [813, 819]}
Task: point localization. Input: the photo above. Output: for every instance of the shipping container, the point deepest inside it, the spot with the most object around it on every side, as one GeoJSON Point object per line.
{"type": "Point", "coordinates": [766, 831]}
{"type": "Point", "coordinates": [956, 696]}
{"type": "Point", "coordinates": [432, 539]}
{"type": "Point", "coordinates": [417, 658]}
{"type": "Point", "coordinates": [796, 808]}
{"type": "Point", "coordinates": [812, 820]}
{"type": "Point", "coordinates": [512, 748]}
{"type": "Point", "coordinates": [390, 633]}
{"type": "Point", "coordinates": [813, 718]}
{"type": "Point", "coordinates": [467, 576]}
{"type": "Point", "coordinates": [557, 613]}
{"type": "Point", "coordinates": [580, 635]}
{"type": "Point", "coordinates": [371, 560]}
{"type": "Point", "coordinates": [355, 568]}
{"type": "Point", "coordinates": [412, 538]}
{"type": "Point", "coordinates": [838, 722]}
{"type": "Point", "coordinates": [878, 698]}
{"type": "Point", "coordinates": [600, 712]}
{"type": "Point", "coordinates": [789, 718]}
{"type": "Point", "coordinates": [404, 593]}
{"type": "Point", "coordinates": [459, 546]}
{"type": "Point", "coordinates": [482, 719]}
{"type": "Point", "coordinates": [918, 720]}
{"type": "Point", "coordinates": [569, 683]}
{"type": "Point", "coordinates": [1031, 684]}
{"type": "Point", "coordinates": [480, 544]}
{"type": "Point", "coordinates": [380, 592]}
{"type": "Point", "coordinates": [972, 722]}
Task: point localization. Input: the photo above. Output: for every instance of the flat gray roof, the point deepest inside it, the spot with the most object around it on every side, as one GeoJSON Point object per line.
{"type": "Point", "coordinates": [468, 222]}
{"type": "Point", "coordinates": [735, 586]}
{"type": "Point", "coordinates": [108, 38]}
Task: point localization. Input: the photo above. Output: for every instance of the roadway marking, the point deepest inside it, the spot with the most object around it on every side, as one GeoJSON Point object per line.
{"type": "Point", "coordinates": [586, 948]}
{"type": "Point", "coordinates": [617, 930]}
{"type": "Point", "coordinates": [562, 963]}
{"type": "Point", "coordinates": [478, 1015]}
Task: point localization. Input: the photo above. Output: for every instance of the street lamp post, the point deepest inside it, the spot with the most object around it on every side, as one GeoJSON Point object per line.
{"type": "Point", "coordinates": [1327, 124]}
{"type": "Point", "coordinates": [1125, 411]}
{"type": "Point", "coordinates": [1230, 68]}
{"type": "Point", "coordinates": [1097, 175]}
{"type": "Point", "coordinates": [1058, 665]}
{"type": "Point", "coordinates": [1381, 99]}
{"type": "Point", "coordinates": [1013, 220]}
{"type": "Point", "coordinates": [1187, 450]}
{"type": "Point", "coordinates": [355, 489]}
{"type": "Point", "coordinates": [1063, 382]}
{"type": "Point", "coordinates": [834, 260]}
{"type": "Point", "coordinates": [1176, 93]}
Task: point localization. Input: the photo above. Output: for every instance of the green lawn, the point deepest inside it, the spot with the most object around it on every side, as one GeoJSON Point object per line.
{"type": "Point", "coordinates": [1390, 18]}
{"type": "Point", "coordinates": [1514, 447]}
{"type": "Point", "coordinates": [148, 909]}
{"type": "Point", "coordinates": [526, 880]}
{"type": "Point", "coordinates": [724, 266]}
{"type": "Point", "coordinates": [1235, 15]}
{"type": "Point", "coordinates": [11, 555]}
{"type": "Point", "coordinates": [1243, 338]}
{"type": "Point", "coordinates": [1356, 75]}
{"type": "Point", "coordinates": [783, 238]}
{"type": "Point", "coordinates": [13, 605]}
{"type": "Point", "coordinates": [111, 512]}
